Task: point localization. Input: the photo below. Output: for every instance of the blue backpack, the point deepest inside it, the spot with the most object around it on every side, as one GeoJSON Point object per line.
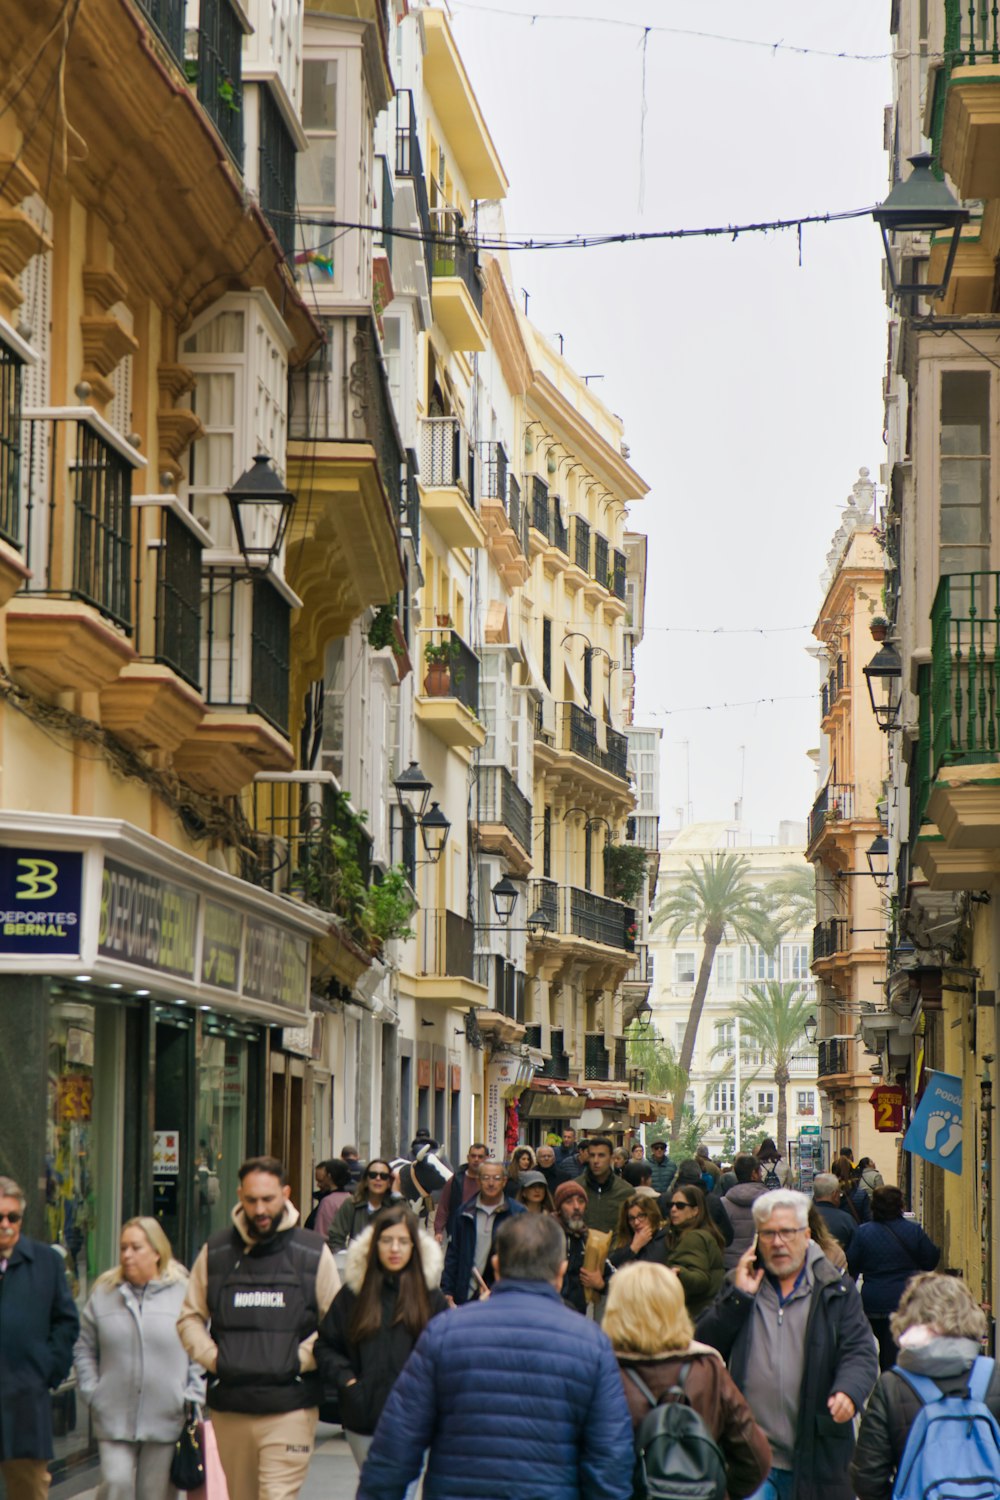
{"type": "Point", "coordinates": [953, 1448]}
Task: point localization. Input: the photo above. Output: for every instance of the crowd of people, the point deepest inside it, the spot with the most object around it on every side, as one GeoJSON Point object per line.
{"type": "Point", "coordinates": [507, 1329]}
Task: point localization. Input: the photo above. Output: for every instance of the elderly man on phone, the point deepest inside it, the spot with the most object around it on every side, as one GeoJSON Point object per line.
{"type": "Point", "coordinates": [793, 1332]}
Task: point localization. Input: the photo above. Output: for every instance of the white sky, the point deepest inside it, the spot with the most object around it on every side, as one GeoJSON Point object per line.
{"type": "Point", "coordinates": [750, 388]}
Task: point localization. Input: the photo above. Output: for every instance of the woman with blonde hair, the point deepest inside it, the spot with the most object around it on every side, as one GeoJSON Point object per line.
{"type": "Point", "coordinates": [939, 1327]}
{"type": "Point", "coordinates": [831, 1248]}
{"type": "Point", "coordinates": [131, 1368]}
{"type": "Point", "coordinates": [650, 1332]}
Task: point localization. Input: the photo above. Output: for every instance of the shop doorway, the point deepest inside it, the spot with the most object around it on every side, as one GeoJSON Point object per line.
{"type": "Point", "coordinates": [289, 1125]}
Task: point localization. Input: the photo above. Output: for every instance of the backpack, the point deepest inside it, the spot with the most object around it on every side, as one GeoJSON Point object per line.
{"type": "Point", "coordinates": [771, 1179]}
{"type": "Point", "coordinates": [676, 1456]}
{"type": "Point", "coordinates": [953, 1448]}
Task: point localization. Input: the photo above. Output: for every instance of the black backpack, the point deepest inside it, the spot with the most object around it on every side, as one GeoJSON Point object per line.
{"type": "Point", "coordinates": [676, 1457]}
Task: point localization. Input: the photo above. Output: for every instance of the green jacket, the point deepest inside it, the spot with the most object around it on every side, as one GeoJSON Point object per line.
{"type": "Point", "coordinates": [697, 1259]}
{"type": "Point", "coordinates": [604, 1200]}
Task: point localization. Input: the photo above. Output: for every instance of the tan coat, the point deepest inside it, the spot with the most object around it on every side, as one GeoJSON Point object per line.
{"type": "Point", "coordinates": [192, 1324]}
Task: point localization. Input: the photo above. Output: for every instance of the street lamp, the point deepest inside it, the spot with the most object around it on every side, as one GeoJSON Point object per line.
{"type": "Point", "coordinates": [538, 924]}
{"type": "Point", "coordinates": [434, 830]}
{"type": "Point", "coordinates": [810, 1027]}
{"type": "Point", "coordinates": [886, 670]}
{"type": "Point", "coordinates": [261, 508]}
{"type": "Point", "coordinates": [505, 894]}
{"type": "Point", "coordinates": [923, 203]}
{"type": "Point", "coordinates": [877, 855]}
{"type": "Point", "coordinates": [413, 789]}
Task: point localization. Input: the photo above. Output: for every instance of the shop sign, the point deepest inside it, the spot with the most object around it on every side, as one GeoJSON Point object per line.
{"type": "Point", "coordinates": [166, 1153]}
{"type": "Point", "coordinates": [75, 1097]}
{"type": "Point", "coordinates": [147, 920]}
{"type": "Point", "coordinates": [935, 1131]}
{"type": "Point", "coordinates": [439, 1076]}
{"type": "Point", "coordinates": [222, 947]}
{"type": "Point", "coordinates": [40, 896]}
{"type": "Point", "coordinates": [275, 965]}
{"type": "Point", "coordinates": [501, 1077]}
{"type": "Point", "coordinates": [887, 1101]}
{"type": "Point", "coordinates": [456, 1078]}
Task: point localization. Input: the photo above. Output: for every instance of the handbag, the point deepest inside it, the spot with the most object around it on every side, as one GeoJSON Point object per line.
{"type": "Point", "coordinates": [187, 1467]}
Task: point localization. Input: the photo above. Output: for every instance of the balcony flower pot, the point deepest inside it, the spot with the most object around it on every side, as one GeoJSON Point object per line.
{"type": "Point", "coordinates": [437, 682]}
{"type": "Point", "coordinates": [879, 628]}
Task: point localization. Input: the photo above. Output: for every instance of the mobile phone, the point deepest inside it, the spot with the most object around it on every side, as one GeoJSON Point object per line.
{"type": "Point", "coordinates": [756, 1264]}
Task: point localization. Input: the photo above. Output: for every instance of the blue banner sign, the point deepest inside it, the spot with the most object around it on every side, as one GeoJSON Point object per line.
{"type": "Point", "coordinates": [40, 895]}
{"type": "Point", "coordinates": [935, 1131]}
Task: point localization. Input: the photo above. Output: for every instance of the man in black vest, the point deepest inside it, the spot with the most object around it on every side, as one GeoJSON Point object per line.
{"type": "Point", "coordinates": [264, 1286]}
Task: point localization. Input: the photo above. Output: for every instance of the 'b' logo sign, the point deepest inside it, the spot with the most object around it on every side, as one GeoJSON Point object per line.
{"type": "Point", "coordinates": [38, 883]}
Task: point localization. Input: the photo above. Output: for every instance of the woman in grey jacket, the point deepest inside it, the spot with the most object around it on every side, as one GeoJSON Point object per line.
{"type": "Point", "coordinates": [132, 1369]}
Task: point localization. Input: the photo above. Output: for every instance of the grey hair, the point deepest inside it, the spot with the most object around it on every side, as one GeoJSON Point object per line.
{"type": "Point", "coordinates": [769, 1203]}
{"type": "Point", "coordinates": [825, 1186]}
{"type": "Point", "coordinates": [944, 1303]}
{"type": "Point", "coordinates": [530, 1247]}
{"type": "Point", "coordinates": [10, 1189]}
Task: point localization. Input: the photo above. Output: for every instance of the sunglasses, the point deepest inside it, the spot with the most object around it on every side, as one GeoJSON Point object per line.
{"type": "Point", "coordinates": [11, 1218]}
{"type": "Point", "coordinates": [378, 1176]}
{"type": "Point", "coordinates": [681, 1204]}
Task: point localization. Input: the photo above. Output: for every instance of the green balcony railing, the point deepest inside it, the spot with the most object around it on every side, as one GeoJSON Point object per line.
{"type": "Point", "coordinates": [965, 669]}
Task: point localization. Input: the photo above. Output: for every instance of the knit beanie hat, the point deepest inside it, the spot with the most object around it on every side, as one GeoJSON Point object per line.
{"type": "Point", "coordinates": [568, 1190]}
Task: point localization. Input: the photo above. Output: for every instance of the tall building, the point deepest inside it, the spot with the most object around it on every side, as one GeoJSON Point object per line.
{"type": "Point", "coordinates": [846, 832]}
{"type": "Point", "coordinates": [731, 1080]}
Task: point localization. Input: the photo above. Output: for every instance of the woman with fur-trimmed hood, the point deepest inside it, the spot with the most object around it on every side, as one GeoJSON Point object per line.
{"type": "Point", "coordinates": [389, 1295]}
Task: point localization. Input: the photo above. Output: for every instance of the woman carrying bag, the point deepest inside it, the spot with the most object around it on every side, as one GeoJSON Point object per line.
{"type": "Point", "coordinates": [131, 1368]}
{"type": "Point", "coordinates": [390, 1294]}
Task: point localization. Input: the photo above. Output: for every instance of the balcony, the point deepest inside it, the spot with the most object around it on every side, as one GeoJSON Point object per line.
{"type": "Point", "coordinates": [571, 743]}
{"type": "Point", "coordinates": [449, 704]}
{"type": "Point", "coordinates": [467, 138]}
{"type": "Point", "coordinates": [618, 575]}
{"type": "Point", "coordinates": [643, 829]}
{"type": "Point", "coordinates": [307, 842]}
{"type": "Point", "coordinates": [503, 817]}
{"type": "Point", "coordinates": [410, 169]}
{"type": "Point", "coordinates": [964, 730]}
{"type": "Point", "coordinates": [502, 514]}
{"type": "Point", "coordinates": [556, 1065]}
{"type": "Point", "coordinates": [456, 290]}
{"type": "Point", "coordinates": [276, 170]}
{"type": "Point", "coordinates": [216, 70]}
{"type": "Point", "coordinates": [833, 687]}
{"type": "Point", "coordinates": [578, 575]}
{"type": "Point", "coordinates": [446, 959]}
{"type": "Point", "coordinates": [966, 109]}
{"type": "Point", "coordinates": [833, 1059]}
{"type": "Point", "coordinates": [245, 677]}
{"type": "Point", "coordinates": [829, 938]}
{"type": "Point", "coordinates": [505, 987]}
{"type": "Point", "coordinates": [345, 462]}
{"type": "Point", "coordinates": [834, 805]}
{"type": "Point", "coordinates": [155, 702]}
{"type": "Point", "coordinates": [447, 482]}
{"type": "Point", "coordinates": [575, 913]}
{"type": "Point", "coordinates": [68, 629]}
{"type": "Point", "coordinates": [168, 18]}
{"type": "Point", "coordinates": [13, 571]}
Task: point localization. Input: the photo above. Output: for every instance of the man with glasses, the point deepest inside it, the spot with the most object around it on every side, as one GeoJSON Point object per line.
{"type": "Point", "coordinates": [793, 1332]}
{"type": "Point", "coordinates": [38, 1328]}
{"type": "Point", "coordinates": [468, 1263]}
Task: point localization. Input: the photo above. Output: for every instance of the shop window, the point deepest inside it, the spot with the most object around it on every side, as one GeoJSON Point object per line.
{"type": "Point", "coordinates": [221, 1142]}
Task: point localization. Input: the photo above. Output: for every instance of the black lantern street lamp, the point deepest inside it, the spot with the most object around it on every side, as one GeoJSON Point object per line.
{"type": "Point", "coordinates": [877, 855]}
{"type": "Point", "coordinates": [261, 508]}
{"type": "Point", "coordinates": [538, 924]}
{"type": "Point", "coordinates": [434, 830]}
{"type": "Point", "coordinates": [884, 675]}
{"type": "Point", "coordinates": [810, 1027]}
{"type": "Point", "coordinates": [923, 203]}
{"type": "Point", "coordinates": [413, 790]}
{"type": "Point", "coordinates": [505, 894]}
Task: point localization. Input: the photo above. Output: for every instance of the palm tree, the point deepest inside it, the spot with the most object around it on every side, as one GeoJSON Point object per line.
{"type": "Point", "coordinates": [717, 899]}
{"type": "Point", "coordinates": [773, 1017]}
{"type": "Point", "coordinates": [794, 897]}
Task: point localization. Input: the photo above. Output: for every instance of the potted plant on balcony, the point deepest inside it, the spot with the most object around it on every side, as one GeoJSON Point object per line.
{"type": "Point", "coordinates": [438, 660]}
{"type": "Point", "coordinates": [624, 871]}
{"type": "Point", "coordinates": [879, 627]}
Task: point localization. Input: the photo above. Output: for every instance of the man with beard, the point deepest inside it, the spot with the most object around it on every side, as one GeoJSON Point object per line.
{"type": "Point", "coordinates": [264, 1286]}
{"type": "Point", "coordinates": [587, 1269]}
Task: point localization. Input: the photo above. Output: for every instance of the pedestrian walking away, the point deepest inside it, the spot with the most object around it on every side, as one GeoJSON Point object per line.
{"type": "Point", "coordinates": [886, 1253]}
{"type": "Point", "coordinates": [694, 1247]}
{"type": "Point", "coordinates": [738, 1204]}
{"type": "Point", "coordinates": [264, 1285]}
{"type": "Point", "coordinates": [374, 1191]}
{"type": "Point", "coordinates": [869, 1176]}
{"type": "Point", "coordinates": [939, 1327]}
{"type": "Point", "coordinates": [652, 1336]}
{"type": "Point", "coordinates": [774, 1171]}
{"type": "Point", "coordinates": [827, 1198]}
{"type": "Point", "coordinates": [514, 1396]}
{"type": "Point", "coordinates": [38, 1328]}
{"type": "Point", "coordinates": [799, 1347]}
{"type": "Point", "coordinates": [853, 1198]}
{"type": "Point", "coordinates": [132, 1369]}
{"type": "Point", "coordinates": [468, 1262]}
{"type": "Point", "coordinates": [390, 1294]}
{"type": "Point", "coordinates": [821, 1236]}
{"type": "Point", "coordinates": [334, 1192]}
{"type": "Point", "coordinates": [588, 1269]}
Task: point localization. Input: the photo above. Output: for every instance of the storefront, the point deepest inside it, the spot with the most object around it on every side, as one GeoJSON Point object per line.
{"type": "Point", "coordinates": [141, 991]}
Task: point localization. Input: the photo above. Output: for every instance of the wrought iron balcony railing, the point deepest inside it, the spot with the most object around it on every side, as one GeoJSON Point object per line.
{"type": "Point", "coordinates": [556, 1064]}
{"type": "Point", "coordinates": [276, 158]}
{"type": "Point", "coordinates": [501, 801]}
{"type": "Point", "coordinates": [573, 912]}
{"type": "Point", "coordinates": [834, 803]}
{"type": "Point", "coordinates": [618, 575]}
{"type": "Point", "coordinates": [446, 944]}
{"type": "Point", "coordinates": [464, 665]}
{"type": "Point", "coordinates": [11, 439]}
{"type": "Point", "coordinates": [455, 255]}
{"type": "Point", "coordinates": [447, 460]}
{"type": "Point", "coordinates": [965, 670]}
{"type": "Point", "coordinates": [342, 396]}
{"type": "Point", "coordinates": [493, 470]}
{"type": "Point", "coordinates": [642, 971]}
{"type": "Point", "coordinates": [581, 543]}
{"type": "Point", "coordinates": [238, 611]}
{"type": "Point", "coordinates": [170, 544]}
{"type": "Point", "coordinates": [218, 71]}
{"type": "Point", "coordinates": [410, 164]}
{"type": "Point", "coordinates": [77, 515]}
{"type": "Point", "coordinates": [307, 841]}
{"type": "Point", "coordinates": [539, 501]}
{"type": "Point", "coordinates": [829, 938]}
{"type": "Point", "coordinates": [411, 502]}
{"type": "Point", "coordinates": [168, 18]}
{"type": "Point", "coordinates": [643, 829]}
{"type": "Point", "coordinates": [505, 983]}
{"type": "Point", "coordinates": [602, 573]}
{"type": "Point", "coordinates": [833, 1057]}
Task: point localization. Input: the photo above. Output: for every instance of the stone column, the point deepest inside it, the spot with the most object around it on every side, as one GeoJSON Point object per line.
{"type": "Point", "coordinates": [24, 1013]}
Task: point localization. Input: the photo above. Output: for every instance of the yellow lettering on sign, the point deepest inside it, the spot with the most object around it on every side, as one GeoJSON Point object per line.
{"type": "Point", "coordinates": [39, 879]}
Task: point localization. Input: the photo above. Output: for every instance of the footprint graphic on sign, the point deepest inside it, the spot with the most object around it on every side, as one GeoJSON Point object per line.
{"type": "Point", "coordinates": [937, 1123]}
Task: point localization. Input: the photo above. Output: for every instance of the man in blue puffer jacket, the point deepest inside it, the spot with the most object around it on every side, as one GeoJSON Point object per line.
{"type": "Point", "coordinates": [518, 1362]}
